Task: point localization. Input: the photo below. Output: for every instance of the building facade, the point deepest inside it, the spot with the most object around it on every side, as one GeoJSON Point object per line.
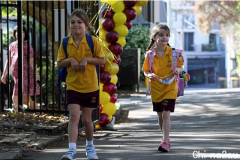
{"type": "Point", "coordinates": [204, 54]}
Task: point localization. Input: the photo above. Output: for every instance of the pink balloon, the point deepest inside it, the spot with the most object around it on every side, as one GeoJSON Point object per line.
{"type": "Point", "coordinates": [107, 14]}
{"type": "Point", "coordinates": [116, 48]}
{"type": "Point", "coordinates": [128, 24]}
{"type": "Point", "coordinates": [105, 77]}
{"type": "Point", "coordinates": [113, 98]}
{"type": "Point", "coordinates": [112, 37]}
{"type": "Point", "coordinates": [110, 88]}
{"type": "Point", "coordinates": [103, 119]}
{"type": "Point", "coordinates": [129, 4]}
{"type": "Point", "coordinates": [108, 24]}
{"type": "Point", "coordinates": [117, 59]}
{"type": "Point", "coordinates": [130, 13]}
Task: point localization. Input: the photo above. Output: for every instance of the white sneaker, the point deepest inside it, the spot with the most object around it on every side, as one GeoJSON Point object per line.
{"type": "Point", "coordinates": [90, 152]}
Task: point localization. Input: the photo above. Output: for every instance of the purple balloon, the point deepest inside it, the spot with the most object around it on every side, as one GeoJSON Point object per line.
{"type": "Point", "coordinates": [129, 4]}
{"type": "Point", "coordinates": [105, 77]}
{"type": "Point", "coordinates": [108, 24]}
{"type": "Point", "coordinates": [101, 68]}
{"type": "Point", "coordinates": [117, 59]}
{"type": "Point", "coordinates": [113, 98]}
{"type": "Point", "coordinates": [128, 24]}
{"type": "Point", "coordinates": [130, 13]}
{"type": "Point", "coordinates": [116, 48]}
{"type": "Point", "coordinates": [112, 37]}
{"type": "Point", "coordinates": [110, 88]}
{"type": "Point", "coordinates": [107, 14]}
{"type": "Point", "coordinates": [103, 119]}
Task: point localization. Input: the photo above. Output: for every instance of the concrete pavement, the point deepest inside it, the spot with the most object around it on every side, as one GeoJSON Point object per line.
{"type": "Point", "coordinates": [204, 122]}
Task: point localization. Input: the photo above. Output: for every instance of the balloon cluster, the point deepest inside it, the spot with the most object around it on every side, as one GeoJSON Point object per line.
{"type": "Point", "coordinates": [113, 28]}
{"type": "Point", "coordinates": [186, 76]}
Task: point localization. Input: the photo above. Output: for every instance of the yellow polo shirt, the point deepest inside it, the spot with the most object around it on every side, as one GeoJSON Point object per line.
{"type": "Point", "coordinates": [162, 66]}
{"type": "Point", "coordinates": [77, 81]}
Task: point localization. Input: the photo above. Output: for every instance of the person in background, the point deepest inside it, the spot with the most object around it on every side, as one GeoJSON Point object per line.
{"type": "Point", "coordinates": [13, 54]}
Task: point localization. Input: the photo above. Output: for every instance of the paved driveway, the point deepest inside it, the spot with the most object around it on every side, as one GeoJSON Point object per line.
{"type": "Point", "coordinates": [205, 123]}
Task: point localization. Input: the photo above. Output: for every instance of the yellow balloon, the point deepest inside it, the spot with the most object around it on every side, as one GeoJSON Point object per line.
{"type": "Point", "coordinates": [121, 30]}
{"type": "Point", "coordinates": [110, 118]}
{"type": "Point", "coordinates": [109, 109]}
{"type": "Point", "coordinates": [111, 2]}
{"type": "Point", "coordinates": [102, 33]}
{"type": "Point", "coordinates": [97, 126]}
{"type": "Point", "coordinates": [109, 56]}
{"type": "Point", "coordinates": [138, 9]}
{"type": "Point", "coordinates": [100, 88]}
{"type": "Point", "coordinates": [104, 45]}
{"type": "Point", "coordinates": [100, 22]}
{"type": "Point", "coordinates": [119, 18]}
{"type": "Point", "coordinates": [118, 7]}
{"type": "Point", "coordinates": [114, 79]}
{"type": "Point", "coordinates": [121, 41]}
{"type": "Point", "coordinates": [112, 68]}
{"type": "Point", "coordinates": [104, 98]}
{"type": "Point", "coordinates": [142, 2]}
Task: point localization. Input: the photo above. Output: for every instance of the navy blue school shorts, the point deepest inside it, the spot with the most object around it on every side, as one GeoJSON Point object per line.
{"type": "Point", "coordinates": [165, 105]}
{"type": "Point", "coordinates": [90, 99]}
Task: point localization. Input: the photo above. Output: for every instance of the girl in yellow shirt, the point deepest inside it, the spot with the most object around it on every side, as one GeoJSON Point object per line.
{"type": "Point", "coordinates": [82, 82]}
{"type": "Point", "coordinates": [163, 95]}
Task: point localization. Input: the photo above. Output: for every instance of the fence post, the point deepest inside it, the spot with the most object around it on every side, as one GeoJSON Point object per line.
{"type": "Point", "coordinates": [20, 56]}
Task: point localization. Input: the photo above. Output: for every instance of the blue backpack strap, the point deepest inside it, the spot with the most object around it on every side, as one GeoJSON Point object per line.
{"type": "Point", "coordinates": [65, 42]}
{"type": "Point", "coordinates": [62, 77]}
{"type": "Point", "coordinates": [90, 43]}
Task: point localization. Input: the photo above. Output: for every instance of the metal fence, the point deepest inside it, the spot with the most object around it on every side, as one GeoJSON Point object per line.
{"type": "Point", "coordinates": [46, 23]}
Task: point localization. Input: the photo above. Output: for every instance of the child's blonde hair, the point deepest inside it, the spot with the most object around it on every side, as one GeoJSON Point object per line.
{"type": "Point", "coordinates": [156, 29]}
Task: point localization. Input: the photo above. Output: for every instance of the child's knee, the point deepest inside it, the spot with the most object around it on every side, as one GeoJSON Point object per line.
{"type": "Point", "coordinates": [87, 121]}
{"type": "Point", "coordinates": [74, 118]}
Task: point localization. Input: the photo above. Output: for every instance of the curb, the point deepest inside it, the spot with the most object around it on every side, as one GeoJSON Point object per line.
{"type": "Point", "coordinates": [43, 143]}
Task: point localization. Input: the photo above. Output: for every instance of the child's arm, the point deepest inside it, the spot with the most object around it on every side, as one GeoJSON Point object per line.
{"type": "Point", "coordinates": [94, 60]}
{"type": "Point", "coordinates": [5, 72]}
{"type": "Point", "coordinates": [150, 75]}
{"type": "Point", "coordinates": [178, 70]}
{"type": "Point", "coordinates": [69, 61]}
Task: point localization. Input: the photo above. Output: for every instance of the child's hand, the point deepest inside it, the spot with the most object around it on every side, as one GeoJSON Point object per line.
{"type": "Point", "coordinates": [3, 79]}
{"type": "Point", "coordinates": [152, 76]}
{"type": "Point", "coordinates": [82, 65]}
{"type": "Point", "coordinates": [37, 77]}
{"type": "Point", "coordinates": [74, 64]}
{"type": "Point", "coordinates": [178, 71]}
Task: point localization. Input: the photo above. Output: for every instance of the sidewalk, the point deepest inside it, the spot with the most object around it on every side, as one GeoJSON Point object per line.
{"type": "Point", "coordinates": [202, 123]}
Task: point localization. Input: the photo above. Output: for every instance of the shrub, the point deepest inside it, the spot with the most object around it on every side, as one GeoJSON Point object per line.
{"type": "Point", "coordinates": [138, 37]}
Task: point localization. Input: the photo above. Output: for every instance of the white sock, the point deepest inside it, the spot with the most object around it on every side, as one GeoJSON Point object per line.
{"type": "Point", "coordinates": [72, 145]}
{"type": "Point", "coordinates": [90, 143]}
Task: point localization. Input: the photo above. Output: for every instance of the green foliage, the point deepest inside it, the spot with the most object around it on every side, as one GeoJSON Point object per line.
{"type": "Point", "coordinates": [47, 84]}
{"type": "Point", "coordinates": [138, 37]}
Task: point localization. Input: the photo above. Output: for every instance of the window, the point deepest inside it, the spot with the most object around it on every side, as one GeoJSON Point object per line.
{"type": "Point", "coordinates": [163, 12]}
{"type": "Point", "coordinates": [174, 16]}
{"type": "Point", "coordinates": [189, 41]}
{"type": "Point", "coordinates": [190, 20]}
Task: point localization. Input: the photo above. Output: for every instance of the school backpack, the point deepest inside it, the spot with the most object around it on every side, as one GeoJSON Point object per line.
{"type": "Point", "coordinates": [176, 53]}
{"type": "Point", "coordinates": [62, 72]}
